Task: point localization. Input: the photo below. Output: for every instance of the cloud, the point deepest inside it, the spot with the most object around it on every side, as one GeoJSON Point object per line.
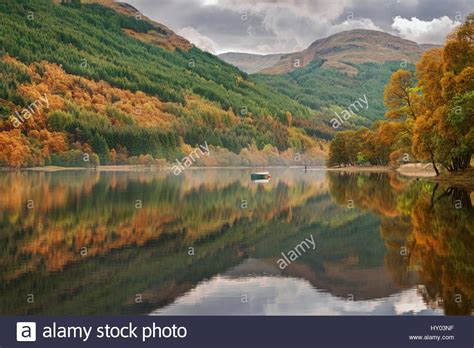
{"type": "Point", "coordinates": [280, 26]}
{"type": "Point", "coordinates": [198, 39]}
{"type": "Point", "coordinates": [290, 25]}
{"type": "Point", "coordinates": [290, 31]}
{"type": "Point", "coordinates": [420, 31]}
{"type": "Point", "coordinates": [363, 23]}
{"type": "Point", "coordinates": [317, 9]}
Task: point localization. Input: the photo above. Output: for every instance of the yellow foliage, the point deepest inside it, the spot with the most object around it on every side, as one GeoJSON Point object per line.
{"type": "Point", "coordinates": [14, 151]}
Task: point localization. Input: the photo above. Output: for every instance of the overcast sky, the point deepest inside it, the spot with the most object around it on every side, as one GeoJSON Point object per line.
{"type": "Point", "coordinates": [276, 26]}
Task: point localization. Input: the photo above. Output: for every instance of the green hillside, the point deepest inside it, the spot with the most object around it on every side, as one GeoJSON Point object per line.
{"type": "Point", "coordinates": [68, 34]}
{"type": "Point", "coordinates": [331, 90]}
{"type": "Point", "coordinates": [201, 97]}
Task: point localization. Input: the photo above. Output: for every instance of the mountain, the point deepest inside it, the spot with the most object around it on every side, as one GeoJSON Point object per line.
{"type": "Point", "coordinates": [354, 46]}
{"type": "Point", "coordinates": [123, 88]}
{"type": "Point", "coordinates": [334, 72]}
{"type": "Point", "coordinates": [251, 63]}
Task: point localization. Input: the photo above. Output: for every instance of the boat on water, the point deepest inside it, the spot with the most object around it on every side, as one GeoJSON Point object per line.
{"type": "Point", "coordinates": [260, 176]}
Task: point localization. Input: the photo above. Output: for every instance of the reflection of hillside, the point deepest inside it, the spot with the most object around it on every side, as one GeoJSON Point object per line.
{"type": "Point", "coordinates": [98, 211]}
{"type": "Point", "coordinates": [46, 192]}
{"type": "Point", "coordinates": [343, 279]}
{"type": "Point", "coordinates": [350, 254]}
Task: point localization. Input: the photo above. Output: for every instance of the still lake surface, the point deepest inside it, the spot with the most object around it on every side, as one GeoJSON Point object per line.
{"type": "Point", "coordinates": [208, 242]}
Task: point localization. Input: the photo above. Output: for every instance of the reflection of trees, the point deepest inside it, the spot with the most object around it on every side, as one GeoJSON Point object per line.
{"type": "Point", "coordinates": [425, 228]}
{"type": "Point", "coordinates": [443, 234]}
{"type": "Point", "coordinates": [379, 192]}
{"type": "Point", "coordinates": [368, 191]}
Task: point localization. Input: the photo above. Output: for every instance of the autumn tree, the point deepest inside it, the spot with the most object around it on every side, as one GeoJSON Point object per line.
{"type": "Point", "coordinates": [337, 155]}
{"type": "Point", "coordinates": [455, 133]}
{"type": "Point", "coordinates": [443, 132]}
{"type": "Point", "coordinates": [289, 118]}
{"type": "Point", "coordinates": [433, 115]}
{"type": "Point", "coordinates": [429, 73]}
{"type": "Point", "coordinates": [401, 96]}
{"type": "Point", "coordinates": [14, 152]}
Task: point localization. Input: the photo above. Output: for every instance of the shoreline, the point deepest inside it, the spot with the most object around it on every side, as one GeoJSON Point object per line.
{"type": "Point", "coordinates": [463, 179]}
{"type": "Point", "coordinates": [356, 169]}
{"type": "Point", "coordinates": [138, 167]}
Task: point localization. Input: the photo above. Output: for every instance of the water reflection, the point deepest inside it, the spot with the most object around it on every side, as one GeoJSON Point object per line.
{"type": "Point", "coordinates": [116, 243]}
{"type": "Point", "coordinates": [276, 296]}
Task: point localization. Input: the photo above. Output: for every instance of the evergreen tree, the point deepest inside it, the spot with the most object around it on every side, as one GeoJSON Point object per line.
{"type": "Point", "coordinates": [100, 147]}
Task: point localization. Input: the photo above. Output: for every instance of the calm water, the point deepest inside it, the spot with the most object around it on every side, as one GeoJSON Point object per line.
{"type": "Point", "coordinates": [210, 242]}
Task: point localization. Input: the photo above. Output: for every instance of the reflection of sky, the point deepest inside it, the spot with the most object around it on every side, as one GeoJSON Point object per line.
{"type": "Point", "coordinates": [268, 295]}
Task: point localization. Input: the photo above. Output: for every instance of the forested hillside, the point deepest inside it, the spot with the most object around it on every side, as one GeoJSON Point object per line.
{"type": "Point", "coordinates": [331, 90]}
{"type": "Point", "coordinates": [119, 86]}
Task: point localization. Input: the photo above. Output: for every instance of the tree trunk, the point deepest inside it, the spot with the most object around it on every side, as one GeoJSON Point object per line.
{"type": "Point", "coordinates": [434, 164]}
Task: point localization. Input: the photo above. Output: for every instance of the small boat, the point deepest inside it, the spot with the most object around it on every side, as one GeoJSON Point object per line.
{"type": "Point", "coordinates": [260, 176]}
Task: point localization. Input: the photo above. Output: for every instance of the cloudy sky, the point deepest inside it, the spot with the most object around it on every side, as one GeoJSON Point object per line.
{"type": "Point", "coordinates": [276, 26]}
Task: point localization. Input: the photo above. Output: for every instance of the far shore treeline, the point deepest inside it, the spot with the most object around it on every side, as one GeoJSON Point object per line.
{"type": "Point", "coordinates": [430, 115]}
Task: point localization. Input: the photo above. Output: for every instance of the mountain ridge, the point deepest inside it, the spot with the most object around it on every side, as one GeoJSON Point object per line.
{"type": "Point", "coordinates": [354, 46]}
